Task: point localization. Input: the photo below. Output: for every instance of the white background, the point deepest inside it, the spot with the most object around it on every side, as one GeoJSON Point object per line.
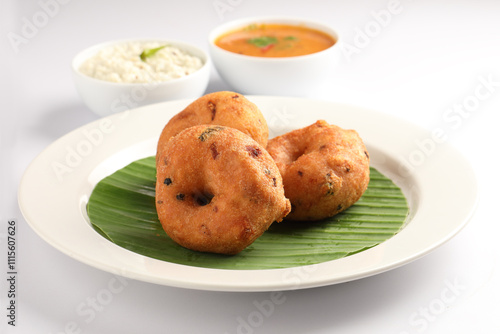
{"type": "Point", "coordinates": [422, 60]}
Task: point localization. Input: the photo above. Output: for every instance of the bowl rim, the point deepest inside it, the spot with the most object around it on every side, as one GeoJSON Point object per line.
{"type": "Point", "coordinates": [292, 20]}
{"type": "Point", "coordinates": [86, 53]}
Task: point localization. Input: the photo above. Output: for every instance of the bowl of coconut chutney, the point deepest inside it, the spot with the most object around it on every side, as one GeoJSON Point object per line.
{"type": "Point", "coordinates": [119, 75]}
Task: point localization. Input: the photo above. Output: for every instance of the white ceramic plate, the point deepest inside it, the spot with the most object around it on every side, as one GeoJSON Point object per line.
{"type": "Point", "coordinates": [437, 181]}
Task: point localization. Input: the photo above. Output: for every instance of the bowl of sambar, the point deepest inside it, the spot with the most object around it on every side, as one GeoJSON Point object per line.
{"type": "Point", "coordinates": [274, 55]}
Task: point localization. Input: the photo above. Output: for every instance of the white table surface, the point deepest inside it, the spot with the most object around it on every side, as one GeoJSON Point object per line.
{"type": "Point", "coordinates": [427, 57]}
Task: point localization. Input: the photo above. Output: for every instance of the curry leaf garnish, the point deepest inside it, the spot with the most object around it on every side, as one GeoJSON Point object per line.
{"type": "Point", "coordinates": [263, 41]}
{"type": "Point", "coordinates": [150, 52]}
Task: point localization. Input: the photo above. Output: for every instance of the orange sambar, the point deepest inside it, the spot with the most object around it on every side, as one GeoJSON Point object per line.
{"type": "Point", "coordinates": [275, 40]}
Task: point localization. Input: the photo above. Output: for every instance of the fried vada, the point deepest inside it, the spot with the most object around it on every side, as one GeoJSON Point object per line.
{"type": "Point", "coordinates": [221, 108]}
{"type": "Point", "coordinates": [217, 189]}
{"type": "Point", "coordinates": [325, 169]}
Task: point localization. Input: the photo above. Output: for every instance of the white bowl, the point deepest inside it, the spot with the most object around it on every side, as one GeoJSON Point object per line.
{"type": "Point", "coordinates": [105, 98]}
{"type": "Point", "coordinates": [296, 76]}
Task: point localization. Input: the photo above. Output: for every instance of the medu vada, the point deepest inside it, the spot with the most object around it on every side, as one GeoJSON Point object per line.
{"type": "Point", "coordinates": [217, 189]}
{"type": "Point", "coordinates": [325, 169]}
{"type": "Point", "coordinates": [221, 108]}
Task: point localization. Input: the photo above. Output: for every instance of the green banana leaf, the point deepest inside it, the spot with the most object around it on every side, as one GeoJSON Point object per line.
{"type": "Point", "coordinates": [122, 209]}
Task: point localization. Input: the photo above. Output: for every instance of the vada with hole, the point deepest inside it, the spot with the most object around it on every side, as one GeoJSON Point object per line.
{"type": "Point", "coordinates": [217, 189]}
{"type": "Point", "coordinates": [325, 169]}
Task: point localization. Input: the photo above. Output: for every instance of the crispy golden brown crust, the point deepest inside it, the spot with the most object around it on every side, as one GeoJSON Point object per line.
{"type": "Point", "coordinates": [217, 189]}
{"type": "Point", "coordinates": [221, 108]}
{"type": "Point", "coordinates": [325, 169]}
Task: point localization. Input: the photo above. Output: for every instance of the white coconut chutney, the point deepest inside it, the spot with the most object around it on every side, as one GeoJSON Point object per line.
{"type": "Point", "coordinates": [122, 63]}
